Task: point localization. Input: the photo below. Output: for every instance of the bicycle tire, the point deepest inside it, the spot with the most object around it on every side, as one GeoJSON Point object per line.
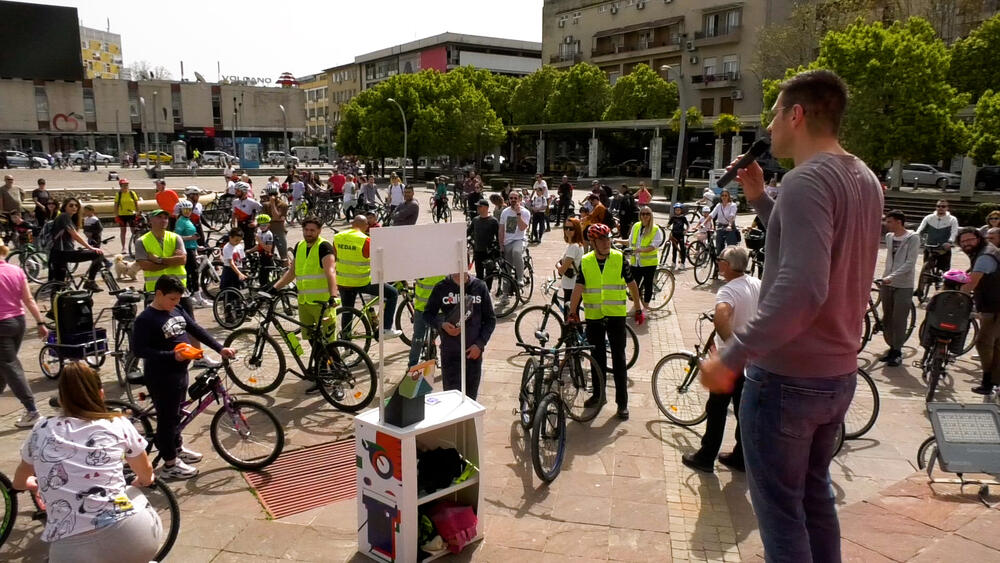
{"type": "Point", "coordinates": [863, 410]}
{"type": "Point", "coordinates": [866, 334]}
{"type": "Point", "coordinates": [703, 264]}
{"type": "Point", "coordinates": [526, 394]}
{"type": "Point", "coordinates": [934, 376]}
{"type": "Point", "coordinates": [631, 347]}
{"type": "Point", "coordinates": [527, 327]}
{"type": "Point", "coordinates": [358, 330]}
{"type": "Point", "coordinates": [505, 293]}
{"type": "Point", "coordinates": [46, 293]}
{"type": "Point", "coordinates": [971, 337]}
{"type": "Point", "coordinates": [50, 361]}
{"type": "Point", "coordinates": [548, 429]}
{"type": "Point", "coordinates": [8, 502]}
{"type": "Point", "coordinates": [209, 282]}
{"type": "Point", "coordinates": [676, 389]}
{"type": "Point", "coordinates": [33, 264]}
{"type": "Point", "coordinates": [237, 419]}
{"type": "Point", "coordinates": [663, 288]}
{"type": "Point", "coordinates": [404, 323]}
{"type": "Point", "coordinates": [334, 374]}
{"type": "Point", "coordinates": [911, 321]}
{"type": "Point", "coordinates": [446, 213]}
{"type": "Point", "coordinates": [528, 281]}
{"type": "Point", "coordinates": [163, 501]}
{"type": "Point", "coordinates": [124, 359]}
{"type": "Point", "coordinates": [255, 376]}
{"type": "Point", "coordinates": [578, 386]}
{"type": "Point", "coordinates": [230, 308]}
{"type": "Point", "coordinates": [838, 440]}
{"type": "Point", "coordinates": [138, 416]}
{"type": "Point", "coordinates": [926, 451]}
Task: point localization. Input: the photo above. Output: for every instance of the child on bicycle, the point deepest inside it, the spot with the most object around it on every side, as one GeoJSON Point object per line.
{"type": "Point", "coordinates": [265, 248]}
{"type": "Point", "coordinates": [679, 225]}
{"type": "Point", "coordinates": [440, 197]}
{"type": "Point", "coordinates": [705, 225]}
{"type": "Point", "coordinates": [232, 260]}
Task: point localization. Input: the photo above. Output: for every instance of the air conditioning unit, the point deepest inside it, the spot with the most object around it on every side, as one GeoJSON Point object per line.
{"type": "Point", "coordinates": [614, 8]}
{"type": "Point", "coordinates": [693, 60]}
{"type": "Point", "coordinates": [640, 5]}
{"type": "Point", "coordinates": [568, 39]}
{"type": "Point", "coordinates": [689, 45]}
{"type": "Point", "coordinates": [736, 94]}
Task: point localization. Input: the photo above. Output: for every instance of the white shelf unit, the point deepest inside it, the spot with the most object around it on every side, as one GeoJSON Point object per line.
{"type": "Point", "coordinates": [388, 498]}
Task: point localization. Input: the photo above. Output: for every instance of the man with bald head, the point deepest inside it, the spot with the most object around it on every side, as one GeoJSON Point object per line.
{"type": "Point", "coordinates": [352, 249]}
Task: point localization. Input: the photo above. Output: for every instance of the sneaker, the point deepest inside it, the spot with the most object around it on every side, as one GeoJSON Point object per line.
{"type": "Point", "coordinates": [593, 401]}
{"type": "Point", "coordinates": [733, 461]}
{"type": "Point", "coordinates": [179, 470]}
{"type": "Point", "coordinates": [694, 462]}
{"type": "Point", "coordinates": [887, 356]}
{"type": "Point", "coordinates": [391, 333]}
{"type": "Point", "coordinates": [198, 303]}
{"type": "Point", "coordinates": [188, 456]}
{"type": "Point", "coordinates": [27, 420]}
{"type": "Point", "coordinates": [206, 362]}
{"type": "Point", "coordinates": [622, 413]}
{"type": "Point", "coordinates": [895, 361]}
{"type": "Point", "coordinates": [981, 390]}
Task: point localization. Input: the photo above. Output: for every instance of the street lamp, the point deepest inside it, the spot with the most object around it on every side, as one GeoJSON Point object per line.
{"type": "Point", "coordinates": [145, 130]}
{"type": "Point", "coordinates": [682, 132]}
{"type": "Point", "coordinates": [402, 113]}
{"type": "Point", "coordinates": [156, 134]}
{"type": "Point", "coordinates": [284, 128]}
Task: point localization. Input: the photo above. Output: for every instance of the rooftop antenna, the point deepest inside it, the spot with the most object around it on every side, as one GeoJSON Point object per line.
{"type": "Point", "coordinates": [109, 25]}
{"type": "Point", "coordinates": [198, 77]}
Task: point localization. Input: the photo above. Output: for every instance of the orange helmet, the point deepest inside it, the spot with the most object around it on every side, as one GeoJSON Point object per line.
{"type": "Point", "coordinates": [598, 230]}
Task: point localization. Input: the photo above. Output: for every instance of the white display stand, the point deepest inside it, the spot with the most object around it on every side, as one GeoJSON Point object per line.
{"type": "Point", "coordinates": [388, 497]}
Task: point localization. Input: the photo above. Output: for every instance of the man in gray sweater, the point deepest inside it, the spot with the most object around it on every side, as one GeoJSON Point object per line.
{"type": "Point", "coordinates": [801, 347]}
{"type": "Point", "coordinates": [896, 292]}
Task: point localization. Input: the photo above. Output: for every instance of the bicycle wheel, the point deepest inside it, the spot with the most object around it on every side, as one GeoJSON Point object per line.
{"type": "Point", "coordinates": [538, 325]}
{"type": "Point", "coordinates": [261, 362]}
{"type": "Point", "coordinates": [926, 452]}
{"type": "Point", "coordinates": [446, 214]}
{"type": "Point", "coordinates": [934, 376]}
{"type": "Point", "coordinates": [527, 283]}
{"type": "Point", "coordinates": [970, 337]}
{"type": "Point", "coordinates": [866, 334]}
{"type": "Point", "coordinates": [49, 361]}
{"type": "Point", "coordinates": [136, 415]}
{"type": "Point", "coordinates": [210, 279]}
{"type": "Point", "coordinates": [125, 361]}
{"type": "Point", "coordinates": [404, 320]}
{"type": "Point", "coordinates": [34, 266]}
{"type": "Point", "coordinates": [703, 264]}
{"type": "Point", "coordinates": [676, 389]}
{"type": "Point", "coordinates": [581, 379]}
{"type": "Point", "coordinates": [230, 308]}
{"type": "Point", "coordinates": [663, 288]}
{"type": "Point", "coordinates": [631, 347]}
{"type": "Point", "coordinates": [8, 507]}
{"type": "Point", "coordinates": [863, 411]}
{"type": "Point", "coordinates": [504, 292]}
{"type": "Point", "coordinates": [838, 441]}
{"type": "Point", "coordinates": [346, 376]}
{"type": "Point", "coordinates": [46, 294]}
{"type": "Point", "coordinates": [358, 329]}
{"type": "Point", "coordinates": [911, 321]}
{"type": "Point", "coordinates": [548, 438]}
{"type": "Point", "coordinates": [247, 435]}
{"type": "Point", "coordinates": [526, 394]}
{"type": "Point", "coordinates": [161, 500]}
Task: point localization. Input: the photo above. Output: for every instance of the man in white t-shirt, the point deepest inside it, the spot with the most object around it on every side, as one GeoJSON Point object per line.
{"type": "Point", "coordinates": [541, 183]}
{"type": "Point", "coordinates": [513, 223]}
{"type": "Point", "coordinates": [735, 305]}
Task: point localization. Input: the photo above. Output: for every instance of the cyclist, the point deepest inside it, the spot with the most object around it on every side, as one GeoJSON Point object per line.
{"type": "Point", "coordinates": [679, 225]}
{"type": "Point", "coordinates": [485, 232]}
{"type": "Point", "coordinates": [66, 230]}
{"type": "Point", "coordinates": [645, 241]}
{"type": "Point", "coordinates": [513, 224]}
{"type": "Point", "coordinates": [941, 228]}
{"type": "Point", "coordinates": [126, 208]}
{"type": "Point", "coordinates": [352, 250]}
{"type": "Point", "coordinates": [189, 234]}
{"type": "Point", "coordinates": [244, 211]}
{"type": "Point", "coordinates": [704, 226]}
{"type": "Point", "coordinates": [440, 197]}
{"type": "Point", "coordinates": [274, 204]}
{"type": "Point", "coordinates": [156, 336]}
{"type": "Point", "coordinates": [265, 248]}
{"type": "Point", "coordinates": [569, 264]}
{"type": "Point", "coordinates": [192, 194]}
{"type": "Point", "coordinates": [896, 291]}
{"type": "Point", "coordinates": [601, 283]}
{"type": "Point", "coordinates": [984, 284]}
{"type": "Point", "coordinates": [421, 291]}
{"type": "Point", "coordinates": [724, 217]}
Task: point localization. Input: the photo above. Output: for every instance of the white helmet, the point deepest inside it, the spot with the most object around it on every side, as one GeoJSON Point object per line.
{"type": "Point", "coordinates": [242, 187]}
{"type": "Point", "coordinates": [185, 204]}
{"type": "Point", "coordinates": [192, 190]}
{"type": "Point", "coordinates": [706, 209]}
{"type": "Point", "coordinates": [271, 190]}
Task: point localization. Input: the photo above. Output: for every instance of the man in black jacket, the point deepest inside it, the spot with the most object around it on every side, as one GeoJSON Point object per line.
{"type": "Point", "coordinates": [485, 232]}
{"type": "Point", "coordinates": [442, 312]}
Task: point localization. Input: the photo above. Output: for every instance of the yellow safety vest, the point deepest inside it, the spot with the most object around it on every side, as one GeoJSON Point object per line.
{"type": "Point", "coordinates": [310, 279]}
{"type": "Point", "coordinates": [649, 258]}
{"type": "Point", "coordinates": [353, 269]}
{"type": "Point", "coordinates": [422, 291]}
{"type": "Point", "coordinates": [604, 293]}
{"type": "Point", "coordinates": [170, 243]}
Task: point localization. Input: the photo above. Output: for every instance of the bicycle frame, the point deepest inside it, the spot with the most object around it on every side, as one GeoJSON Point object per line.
{"type": "Point", "coordinates": [271, 319]}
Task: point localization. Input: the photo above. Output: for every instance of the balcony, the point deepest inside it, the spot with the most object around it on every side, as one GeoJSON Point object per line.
{"type": "Point", "coordinates": [720, 36]}
{"type": "Point", "coordinates": [723, 80]}
{"type": "Point", "coordinates": [567, 59]}
{"type": "Point", "coordinates": [610, 52]}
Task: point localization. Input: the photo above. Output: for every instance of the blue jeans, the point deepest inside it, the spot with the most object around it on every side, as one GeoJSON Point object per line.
{"type": "Point", "coordinates": [788, 427]}
{"type": "Point", "coordinates": [349, 296]}
{"type": "Point", "coordinates": [419, 335]}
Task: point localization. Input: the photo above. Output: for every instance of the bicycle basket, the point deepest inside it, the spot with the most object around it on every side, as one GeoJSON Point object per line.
{"type": "Point", "coordinates": [948, 316]}
{"type": "Point", "coordinates": [755, 239]}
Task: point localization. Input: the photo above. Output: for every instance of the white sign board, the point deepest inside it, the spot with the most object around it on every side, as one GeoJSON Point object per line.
{"type": "Point", "coordinates": [416, 251]}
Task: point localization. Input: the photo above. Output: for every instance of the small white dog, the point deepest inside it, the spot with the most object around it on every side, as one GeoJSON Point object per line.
{"type": "Point", "coordinates": [125, 270]}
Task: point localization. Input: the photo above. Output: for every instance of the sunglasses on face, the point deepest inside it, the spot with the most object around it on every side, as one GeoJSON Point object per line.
{"type": "Point", "coordinates": [994, 219]}
{"type": "Point", "coordinates": [645, 214]}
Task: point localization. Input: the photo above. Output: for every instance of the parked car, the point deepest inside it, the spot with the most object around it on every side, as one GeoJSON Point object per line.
{"type": "Point", "coordinates": [527, 165]}
{"type": "Point", "coordinates": [278, 157]}
{"type": "Point", "coordinates": [926, 175]}
{"type": "Point", "coordinates": [18, 159]}
{"type": "Point", "coordinates": [77, 157]}
{"type": "Point", "coordinates": [566, 165]}
{"type": "Point", "coordinates": [988, 178]}
{"type": "Point", "coordinates": [699, 168]}
{"type": "Point", "coordinates": [156, 156]}
{"type": "Point", "coordinates": [633, 167]}
{"type": "Point", "coordinates": [216, 158]}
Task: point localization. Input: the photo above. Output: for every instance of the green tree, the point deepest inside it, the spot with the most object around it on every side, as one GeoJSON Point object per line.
{"type": "Point", "coordinates": [641, 94]}
{"type": "Point", "coordinates": [901, 105]}
{"type": "Point", "coordinates": [580, 94]}
{"type": "Point", "coordinates": [973, 60]}
{"type": "Point", "coordinates": [694, 119]}
{"type": "Point", "coordinates": [727, 123]}
{"type": "Point", "coordinates": [527, 104]}
{"type": "Point", "coordinates": [985, 134]}
{"type": "Point", "coordinates": [498, 89]}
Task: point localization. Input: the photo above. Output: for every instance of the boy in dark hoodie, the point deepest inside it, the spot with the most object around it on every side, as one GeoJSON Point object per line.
{"type": "Point", "coordinates": [442, 313]}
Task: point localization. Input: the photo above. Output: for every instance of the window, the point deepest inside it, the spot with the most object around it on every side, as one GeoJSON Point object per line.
{"type": "Point", "coordinates": [731, 66]}
{"type": "Point", "coordinates": [175, 106]}
{"type": "Point", "coordinates": [41, 104]}
{"type": "Point", "coordinates": [89, 110]}
{"type": "Point", "coordinates": [726, 105]}
{"type": "Point", "coordinates": [576, 17]}
{"type": "Point", "coordinates": [613, 77]}
{"type": "Point", "coordinates": [722, 23]}
{"type": "Point", "coordinates": [708, 107]}
{"type": "Point", "coordinates": [709, 64]}
{"type": "Point", "coordinates": [562, 20]}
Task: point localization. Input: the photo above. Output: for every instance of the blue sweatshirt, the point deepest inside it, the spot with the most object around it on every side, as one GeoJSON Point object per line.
{"type": "Point", "coordinates": [480, 321]}
{"type": "Point", "coordinates": [154, 336]}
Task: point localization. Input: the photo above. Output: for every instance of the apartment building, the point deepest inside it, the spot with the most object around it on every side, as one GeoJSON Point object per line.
{"type": "Point", "coordinates": [316, 88]}
{"type": "Point", "coordinates": [711, 43]}
{"type": "Point", "coordinates": [102, 53]}
{"type": "Point", "coordinates": [344, 83]}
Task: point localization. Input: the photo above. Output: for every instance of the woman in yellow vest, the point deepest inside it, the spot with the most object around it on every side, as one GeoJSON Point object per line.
{"type": "Point", "coordinates": [645, 241]}
{"type": "Point", "coordinates": [604, 283]}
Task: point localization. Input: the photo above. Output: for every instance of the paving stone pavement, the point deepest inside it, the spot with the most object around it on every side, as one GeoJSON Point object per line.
{"type": "Point", "coordinates": [623, 494]}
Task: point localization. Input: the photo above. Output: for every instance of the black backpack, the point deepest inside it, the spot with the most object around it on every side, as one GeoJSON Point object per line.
{"type": "Point", "coordinates": [948, 316]}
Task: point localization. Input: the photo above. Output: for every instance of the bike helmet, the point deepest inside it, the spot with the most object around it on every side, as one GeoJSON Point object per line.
{"type": "Point", "coordinates": [271, 190]}
{"type": "Point", "coordinates": [956, 276]}
{"type": "Point", "coordinates": [263, 219]}
{"type": "Point", "coordinates": [598, 230]}
{"type": "Point", "coordinates": [192, 190]}
{"type": "Point", "coordinates": [123, 182]}
{"type": "Point", "coordinates": [678, 205]}
{"type": "Point", "coordinates": [706, 209]}
{"type": "Point", "coordinates": [185, 204]}
{"type": "Point", "coordinates": [242, 187]}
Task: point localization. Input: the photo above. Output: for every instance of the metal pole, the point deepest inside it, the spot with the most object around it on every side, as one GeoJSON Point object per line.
{"type": "Point", "coordinates": [284, 128]}
{"type": "Point", "coordinates": [156, 133]}
{"type": "Point", "coordinates": [682, 132]}
{"type": "Point", "coordinates": [235, 152]}
{"type": "Point", "coordinates": [402, 113]}
{"type": "Point", "coordinates": [145, 131]}
{"type": "Point", "coordinates": [118, 137]}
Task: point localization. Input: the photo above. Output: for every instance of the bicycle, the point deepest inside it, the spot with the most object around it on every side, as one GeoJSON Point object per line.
{"type": "Point", "coordinates": [704, 257]}
{"type": "Point", "coordinates": [663, 283]}
{"type": "Point", "coordinates": [930, 274]}
{"type": "Point", "coordinates": [440, 212]}
{"type": "Point", "coordinates": [343, 372]}
{"type": "Point", "coordinates": [538, 324]}
{"type": "Point", "coordinates": [505, 290]}
{"type": "Point", "coordinates": [873, 320]}
{"type": "Point", "coordinates": [551, 391]}
{"type": "Point", "coordinates": [676, 389]}
{"type": "Point", "coordinates": [234, 305]}
{"type": "Point", "coordinates": [33, 261]}
{"type": "Point", "coordinates": [755, 245]}
{"type": "Point", "coordinates": [139, 228]}
{"type": "Point", "coordinates": [238, 424]}
{"type": "Point", "coordinates": [217, 214]}
{"type": "Point", "coordinates": [940, 347]}
{"type": "Point", "coordinates": [46, 293]}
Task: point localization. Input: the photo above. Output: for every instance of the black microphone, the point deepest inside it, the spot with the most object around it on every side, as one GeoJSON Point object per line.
{"type": "Point", "coordinates": [758, 148]}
